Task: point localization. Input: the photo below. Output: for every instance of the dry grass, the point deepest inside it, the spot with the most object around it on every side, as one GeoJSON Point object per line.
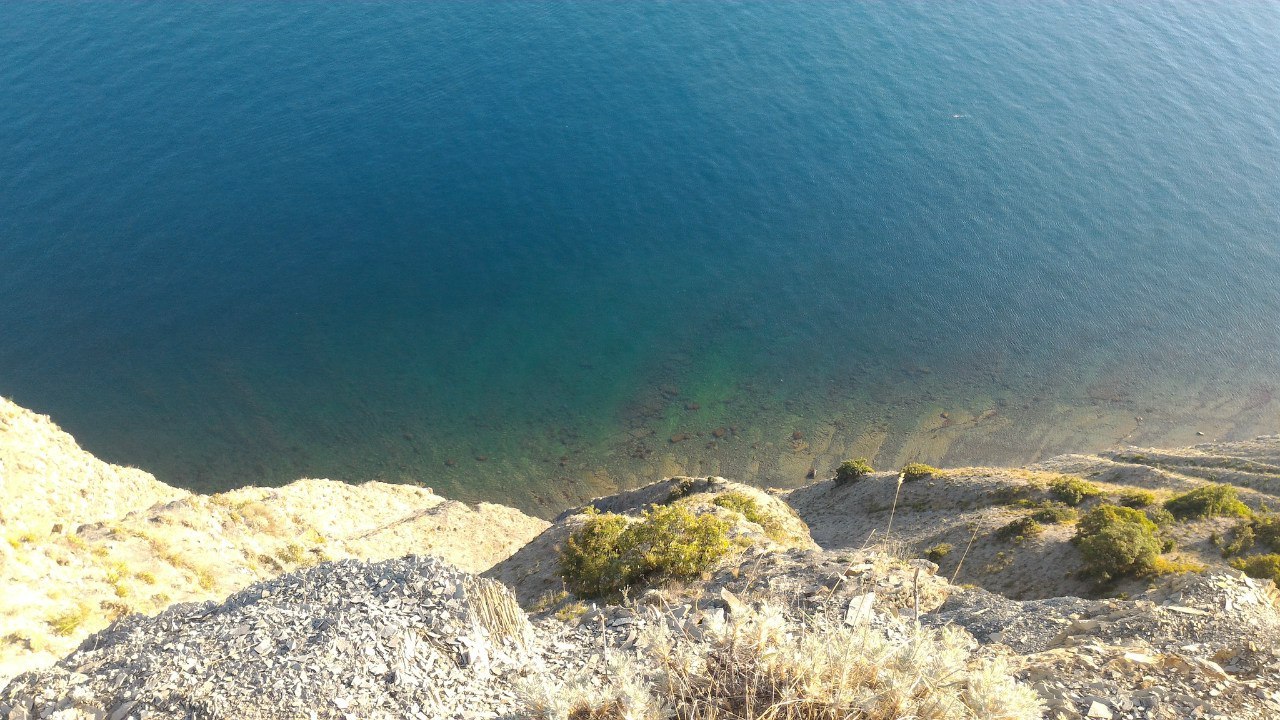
{"type": "Point", "coordinates": [580, 697]}
{"type": "Point", "coordinates": [570, 612]}
{"type": "Point", "coordinates": [760, 667]}
{"type": "Point", "coordinates": [70, 620]}
{"type": "Point", "coordinates": [259, 517]}
{"type": "Point", "coordinates": [498, 611]}
{"type": "Point", "coordinates": [765, 665]}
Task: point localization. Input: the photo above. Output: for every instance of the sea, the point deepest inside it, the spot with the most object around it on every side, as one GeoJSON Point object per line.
{"type": "Point", "coordinates": [532, 252]}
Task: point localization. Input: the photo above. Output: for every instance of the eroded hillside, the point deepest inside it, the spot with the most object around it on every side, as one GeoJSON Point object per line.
{"type": "Point", "coordinates": [87, 543]}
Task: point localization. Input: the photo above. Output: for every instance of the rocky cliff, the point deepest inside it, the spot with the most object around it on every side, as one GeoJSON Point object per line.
{"type": "Point", "coordinates": [325, 600]}
{"type": "Point", "coordinates": [87, 543]}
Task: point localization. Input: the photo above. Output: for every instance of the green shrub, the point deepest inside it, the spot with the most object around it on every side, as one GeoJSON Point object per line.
{"type": "Point", "coordinates": [671, 542]}
{"type": "Point", "coordinates": [939, 551]}
{"type": "Point", "coordinates": [680, 489]}
{"type": "Point", "coordinates": [1161, 517]}
{"type": "Point", "coordinates": [1207, 501]}
{"type": "Point", "coordinates": [1165, 566]}
{"type": "Point", "coordinates": [917, 471]}
{"type": "Point", "coordinates": [1137, 498]}
{"type": "Point", "coordinates": [1019, 529]}
{"type": "Point", "coordinates": [741, 503]}
{"type": "Point", "coordinates": [1242, 538]}
{"type": "Point", "coordinates": [750, 509]}
{"type": "Point", "coordinates": [1055, 514]}
{"type": "Point", "coordinates": [1015, 495]}
{"type": "Point", "coordinates": [1266, 567]}
{"type": "Point", "coordinates": [851, 470]}
{"type": "Point", "coordinates": [1259, 530]}
{"type": "Point", "coordinates": [1266, 529]}
{"type": "Point", "coordinates": [569, 612]}
{"type": "Point", "coordinates": [590, 558]}
{"type": "Point", "coordinates": [1118, 541]}
{"type": "Point", "coordinates": [1073, 490]}
{"type": "Point", "coordinates": [607, 554]}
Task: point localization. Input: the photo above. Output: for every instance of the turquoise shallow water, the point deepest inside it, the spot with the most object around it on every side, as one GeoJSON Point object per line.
{"type": "Point", "coordinates": [527, 252]}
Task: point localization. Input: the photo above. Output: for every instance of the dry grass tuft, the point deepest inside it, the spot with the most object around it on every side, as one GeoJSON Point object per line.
{"type": "Point", "coordinates": [67, 622]}
{"type": "Point", "coordinates": [760, 667]}
{"type": "Point", "coordinates": [499, 612]}
{"type": "Point", "coordinates": [627, 696]}
{"type": "Point", "coordinates": [764, 665]}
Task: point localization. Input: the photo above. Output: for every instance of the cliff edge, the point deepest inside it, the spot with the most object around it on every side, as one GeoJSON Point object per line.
{"type": "Point", "coordinates": [88, 543]}
{"type": "Point", "coordinates": [1128, 584]}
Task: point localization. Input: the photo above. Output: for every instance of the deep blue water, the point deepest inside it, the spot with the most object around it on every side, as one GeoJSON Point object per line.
{"type": "Point", "coordinates": [242, 242]}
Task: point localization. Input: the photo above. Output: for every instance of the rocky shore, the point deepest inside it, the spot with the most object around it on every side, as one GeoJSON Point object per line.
{"type": "Point", "coordinates": [126, 598]}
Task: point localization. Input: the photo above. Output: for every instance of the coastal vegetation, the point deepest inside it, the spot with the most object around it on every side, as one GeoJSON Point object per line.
{"type": "Point", "coordinates": [610, 553]}
{"type": "Point", "coordinates": [917, 471]}
{"type": "Point", "coordinates": [852, 470]}
{"type": "Point", "coordinates": [1019, 530]}
{"type": "Point", "coordinates": [1117, 541]}
{"type": "Point", "coordinates": [1055, 514]}
{"type": "Point", "coordinates": [1137, 498]}
{"type": "Point", "coordinates": [1207, 501]}
{"type": "Point", "coordinates": [1266, 567]}
{"type": "Point", "coordinates": [937, 552]}
{"type": "Point", "coordinates": [706, 594]}
{"type": "Point", "coordinates": [751, 511]}
{"type": "Point", "coordinates": [1073, 490]}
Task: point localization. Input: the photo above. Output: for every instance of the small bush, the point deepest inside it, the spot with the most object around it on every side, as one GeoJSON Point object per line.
{"type": "Point", "coordinates": [548, 600]}
{"type": "Point", "coordinates": [750, 510]}
{"type": "Point", "coordinates": [1055, 514]}
{"type": "Point", "coordinates": [1239, 540]}
{"type": "Point", "coordinates": [297, 555]}
{"type": "Point", "coordinates": [999, 563]}
{"type": "Point", "coordinates": [206, 578]}
{"type": "Point", "coordinates": [589, 560]}
{"type": "Point", "coordinates": [671, 542]}
{"type": "Point", "coordinates": [1137, 498]}
{"type": "Point", "coordinates": [939, 551]}
{"type": "Point", "coordinates": [1014, 495]}
{"type": "Point", "coordinates": [680, 489]}
{"type": "Point", "coordinates": [1164, 566]}
{"type": "Point", "coordinates": [1266, 567]}
{"type": "Point", "coordinates": [917, 471]}
{"type": "Point", "coordinates": [607, 554]}
{"type": "Point", "coordinates": [851, 470]}
{"type": "Point", "coordinates": [571, 611]}
{"type": "Point", "coordinates": [1261, 530]}
{"type": "Point", "coordinates": [1073, 490]}
{"type": "Point", "coordinates": [1266, 529]}
{"type": "Point", "coordinates": [68, 622]}
{"type": "Point", "coordinates": [1118, 541]}
{"type": "Point", "coordinates": [1161, 517]}
{"type": "Point", "coordinates": [1207, 501]}
{"type": "Point", "coordinates": [1019, 529]}
{"type": "Point", "coordinates": [741, 503]}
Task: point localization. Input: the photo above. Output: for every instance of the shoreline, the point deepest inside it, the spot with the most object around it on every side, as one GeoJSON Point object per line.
{"type": "Point", "coordinates": [76, 564]}
{"type": "Point", "coordinates": [690, 430]}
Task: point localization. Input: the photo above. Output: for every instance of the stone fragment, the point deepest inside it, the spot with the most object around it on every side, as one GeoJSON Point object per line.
{"type": "Point", "coordinates": [731, 602]}
{"type": "Point", "coordinates": [859, 610]}
{"type": "Point", "coordinates": [1099, 710]}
